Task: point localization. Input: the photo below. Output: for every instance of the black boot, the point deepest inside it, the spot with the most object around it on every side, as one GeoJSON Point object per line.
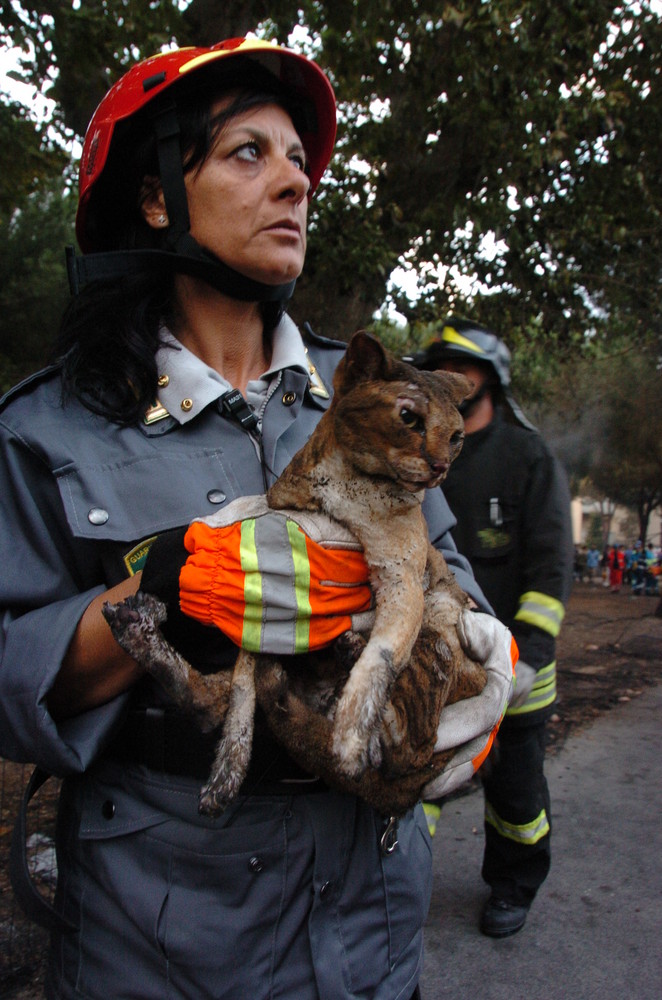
{"type": "Point", "coordinates": [501, 918]}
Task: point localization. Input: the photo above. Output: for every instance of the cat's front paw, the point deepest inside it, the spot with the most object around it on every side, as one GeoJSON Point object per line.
{"type": "Point", "coordinates": [134, 622]}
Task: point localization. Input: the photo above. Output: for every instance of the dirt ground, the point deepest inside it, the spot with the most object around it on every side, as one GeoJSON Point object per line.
{"type": "Point", "coordinates": [609, 652]}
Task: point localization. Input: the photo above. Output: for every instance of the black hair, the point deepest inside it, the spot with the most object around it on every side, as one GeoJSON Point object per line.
{"type": "Point", "coordinates": [109, 334]}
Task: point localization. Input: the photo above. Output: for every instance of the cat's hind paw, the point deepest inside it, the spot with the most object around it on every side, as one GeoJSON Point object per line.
{"type": "Point", "coordinates": [211, 802]}
{"type": "Point", "coordinates": [227, 776]}
{"type": "Point", "coordinates": [221, 789]}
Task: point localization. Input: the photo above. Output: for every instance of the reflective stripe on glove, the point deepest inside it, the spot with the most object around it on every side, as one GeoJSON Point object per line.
{"type": "Point", "coordinates": [472, 724]}
{"type": "Point", "coordinates": [274, 581]}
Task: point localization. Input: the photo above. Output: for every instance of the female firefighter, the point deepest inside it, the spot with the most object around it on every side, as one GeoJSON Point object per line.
{"type": "Point", "coordinates": [182, 385]}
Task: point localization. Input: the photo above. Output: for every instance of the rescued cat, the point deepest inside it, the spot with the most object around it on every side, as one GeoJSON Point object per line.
{"type": "Point", "coordinates": [390, 433]}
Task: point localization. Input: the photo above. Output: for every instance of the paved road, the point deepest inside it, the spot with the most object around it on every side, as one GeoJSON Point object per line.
{"type": "Point", "coordinates": [595, 929]}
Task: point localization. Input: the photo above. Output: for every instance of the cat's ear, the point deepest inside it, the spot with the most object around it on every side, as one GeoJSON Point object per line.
{"type": "Point", "coordinates": [365, 357]}
{"type": "Point", "coordinates": [460, 386]}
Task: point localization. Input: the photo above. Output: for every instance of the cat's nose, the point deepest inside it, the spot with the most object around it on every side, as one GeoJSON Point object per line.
{"type": "Point", "coordinates": [440, 468]}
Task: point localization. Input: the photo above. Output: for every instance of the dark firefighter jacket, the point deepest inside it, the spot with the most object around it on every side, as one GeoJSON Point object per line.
{"type": "Point", "coordinates": [512, 504]}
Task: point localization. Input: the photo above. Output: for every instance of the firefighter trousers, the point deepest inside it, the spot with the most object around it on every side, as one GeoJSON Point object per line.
{"type": "Point", "coordinates": [517, 814]}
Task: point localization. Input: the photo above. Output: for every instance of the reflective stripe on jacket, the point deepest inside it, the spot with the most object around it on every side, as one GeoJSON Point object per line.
{"type": "Point", "coordinates": [512, 504]}
{"type": "Point", "coordinates": [542, 694]}
{"type": "Point", "coordinates": [541, 610]}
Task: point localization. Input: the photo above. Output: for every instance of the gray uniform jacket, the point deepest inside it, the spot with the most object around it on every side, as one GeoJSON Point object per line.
{"type": "Point", "coordinates": [280, 896]}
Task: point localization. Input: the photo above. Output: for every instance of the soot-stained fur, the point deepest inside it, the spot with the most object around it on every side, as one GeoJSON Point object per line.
{"type": "Point", "coordinates": [364, 715]}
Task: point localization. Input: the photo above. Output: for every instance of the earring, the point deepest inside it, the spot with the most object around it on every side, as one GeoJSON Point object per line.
{"type": "Point", "coordinates": [162, 220]}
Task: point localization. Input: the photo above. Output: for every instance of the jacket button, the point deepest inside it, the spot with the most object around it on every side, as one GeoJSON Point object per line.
{"type": "Point", "coordinates": [289, 398]}
{"type": "Point", "coordinates": [97, 515]}
{"type": "Point", "coordinates": [216, 496]}
{"type": "Point", "coordinates": [108, 809]}
{"type": "Point", "coordinates": [256, 865]}
{"type": "Point", "coordinates": [186, 405]}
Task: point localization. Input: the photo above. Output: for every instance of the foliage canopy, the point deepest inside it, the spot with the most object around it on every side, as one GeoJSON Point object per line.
{"type": "Point", "coordinates": [604, 417]}
{"type": "Point", "coordinates": [537, 123]}
{"type": "Point", "coordinates": [501, 146]}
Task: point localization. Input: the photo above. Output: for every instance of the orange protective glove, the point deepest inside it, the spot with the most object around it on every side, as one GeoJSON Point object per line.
{"type": "Point", "coordinates": [278, 582]}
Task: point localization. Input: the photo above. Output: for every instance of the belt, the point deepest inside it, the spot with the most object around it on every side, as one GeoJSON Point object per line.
{"type": "Point", "coordinates": [166, 741]}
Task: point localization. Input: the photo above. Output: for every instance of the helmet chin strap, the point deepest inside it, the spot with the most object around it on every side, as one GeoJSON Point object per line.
{"type": "Point", "coordinates": [204, 265]}
{"type": "Point", "coordinates": [182, 254]}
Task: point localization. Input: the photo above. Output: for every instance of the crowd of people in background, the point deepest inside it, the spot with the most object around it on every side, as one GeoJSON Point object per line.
{"type": "Point", "coordinates": [637, 567]}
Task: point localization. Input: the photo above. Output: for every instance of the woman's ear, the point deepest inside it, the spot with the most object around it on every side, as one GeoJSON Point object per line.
{"type": "Point", "coordinates": [152, 203]}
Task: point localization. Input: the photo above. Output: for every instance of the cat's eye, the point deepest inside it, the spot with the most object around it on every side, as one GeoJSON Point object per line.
{"type": "Point", "coordinates": [411, 419]}
{"type": "Point", "coordinates": [457, 438]}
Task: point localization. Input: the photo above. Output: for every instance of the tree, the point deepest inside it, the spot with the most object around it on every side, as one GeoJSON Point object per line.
{"type": "Point", "coordinates": [631, 461]}
{"type": "Point", "coordinates": [595, 535]}
{"type": "Point", "coordinates": [29, 159]}
{"type": "Point", "coordinates": [604, 419]}
{"type": "Point", "coordinates": [537, 123]}
{"type": "Point", "coordinates": [33, 284]}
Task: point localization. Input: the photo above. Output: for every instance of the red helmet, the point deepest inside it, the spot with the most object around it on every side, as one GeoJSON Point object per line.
{"type": "Point", "coordinates": [152, 76]}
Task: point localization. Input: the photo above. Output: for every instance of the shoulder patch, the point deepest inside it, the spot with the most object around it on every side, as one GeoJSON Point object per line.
{"type": "Point", "coordinates": [135, 559]}
{"type": "Point", "coordinates": [21, 388]}
{"type": "Point", "coordinates": [310, 337]}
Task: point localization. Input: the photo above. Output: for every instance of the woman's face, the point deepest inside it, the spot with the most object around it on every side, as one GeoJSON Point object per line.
{"type": "Point", "coordinates": [248, 201]}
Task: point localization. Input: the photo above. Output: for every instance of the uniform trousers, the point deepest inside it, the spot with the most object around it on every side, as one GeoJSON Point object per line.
{"type": "Point", "coordinates": [517, 853]}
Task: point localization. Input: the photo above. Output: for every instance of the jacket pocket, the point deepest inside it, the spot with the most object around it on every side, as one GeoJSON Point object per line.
{"type": "Point", "coordinates": [134, 498]}
{"type": "Point", "coordinates": [495, 534]}
{"type": "Point", "coordinates": [408, 886]}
